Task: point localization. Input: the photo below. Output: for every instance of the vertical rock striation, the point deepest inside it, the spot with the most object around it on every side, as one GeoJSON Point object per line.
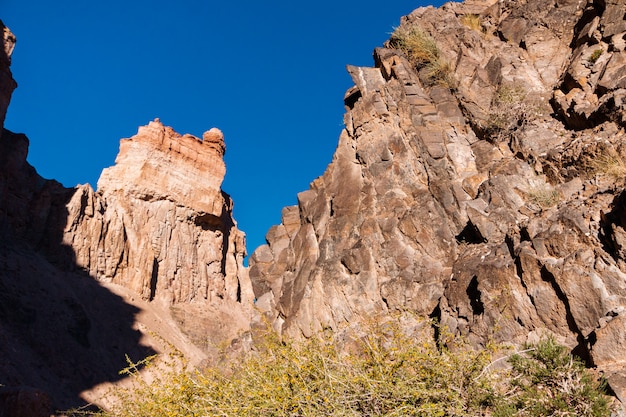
{"type": "Point", "coordinates": [491, 200]}
{"type": "Point", "coordinates": [159, 223]}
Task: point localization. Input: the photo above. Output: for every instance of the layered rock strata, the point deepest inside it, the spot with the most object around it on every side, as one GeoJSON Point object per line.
{"type": "Point", "coordinates": [159, 223]}
{"type": "Point", "coordinates": [493, 204]}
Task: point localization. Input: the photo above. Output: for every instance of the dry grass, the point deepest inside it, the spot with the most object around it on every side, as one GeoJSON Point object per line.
{"type": "Point", "coordinates": [472, 21]}
{"type": "Point", "coordinates": [608, 163]}
{"type": "Point", "coordinates": [510, 112]}
{"type": "Point", "coordinates": [544, 196]}
{"type": "Point", "coordinates": [424, 54]}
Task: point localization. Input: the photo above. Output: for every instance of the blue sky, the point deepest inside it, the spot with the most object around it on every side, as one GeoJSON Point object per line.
{"type": "Point", "coordinates": [271, 75]}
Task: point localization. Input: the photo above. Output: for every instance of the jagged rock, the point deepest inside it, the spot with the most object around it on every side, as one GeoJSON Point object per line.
{"type": "Point", "coordinates": [493, 203]}
{"type": "Point", "coordinates": [159, 223]}
{"type": "Point", "coordinates": [7, 83]}
{"type": "Point", "coordinates": [500, 230]}
{"type": "Point", "coordinates": [169, 266]}
{"type": "Point", "coordinates": [592, 88]}
{"type": "Point", "coordinates": [150, 262]}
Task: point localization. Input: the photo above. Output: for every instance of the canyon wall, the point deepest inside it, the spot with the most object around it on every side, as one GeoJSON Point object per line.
{"type": "Point", "coordinates": [149, 263]}
{"type": "Point", "coordinates": [482, 187]}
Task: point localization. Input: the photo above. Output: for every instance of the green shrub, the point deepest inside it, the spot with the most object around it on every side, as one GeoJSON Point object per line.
{"type": "Point", "coordinates": [382, 373]}
{"type": "Point", "coordinates": [595, 55]}
{"type": "Point", "coordinates": [424, 54]}
{"type": "Point", "coordinates": [547, 381]}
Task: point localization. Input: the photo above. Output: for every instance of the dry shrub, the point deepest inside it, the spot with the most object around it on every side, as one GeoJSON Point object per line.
{"type": "Point", "coordinates": [472, 21]}
{"type": "Point", "coordinates": [510, 112]}
{"type": "Point", "coordinates": [544, 196]}
{"type": "Point", "coordinates": [424, 54]}
{"type": "Point", "coordinates": [389, 374]}
{"type": "Point", "coordinates": [607, 162]}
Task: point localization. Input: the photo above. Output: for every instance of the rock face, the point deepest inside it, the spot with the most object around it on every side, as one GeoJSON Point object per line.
{"type": "Point", "coordinates": [7, 83]}
{"type": "Point", "coordinates": [94, 276]}
{"type": "Point", "coordinates": [149, 262]}
{"type": "Point", "coordinates": [483, 188]}
{"type": "Point", "coordinates": [494, 203]}
{"type": "Point", "coordinates": [159, 223]}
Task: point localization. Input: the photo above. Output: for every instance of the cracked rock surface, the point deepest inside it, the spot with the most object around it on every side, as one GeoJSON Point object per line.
{"type": "Point", "coordinates": [496, 206]}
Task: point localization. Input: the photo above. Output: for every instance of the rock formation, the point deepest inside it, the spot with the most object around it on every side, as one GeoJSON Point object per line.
{"type": "Point", "coordinates": [481, 186]}
{"type": "Point", "coordinates": [491, 199]}
{"type": "Point", "coordinates": [7, 83]}
{"type": "Point", "coordinates": [159, 223]}
{"type": "Point", "coordinates": [150, 261]}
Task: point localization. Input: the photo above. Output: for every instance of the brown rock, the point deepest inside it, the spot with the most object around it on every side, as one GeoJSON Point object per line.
{"type": "Point", "coordinates": [159, 223]}
{"type": "Point", "coordinates": [7, 83]}
{"type": "Point", "coordinates": [500, 229]}
{"type": "Point", "coordinates": [500, 232]}
{"type": "Point", "coordinates": [134, 269]}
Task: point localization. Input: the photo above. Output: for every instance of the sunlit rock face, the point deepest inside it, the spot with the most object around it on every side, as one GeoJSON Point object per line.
{"type": "Point", "coordinates": [159, 223]}
{"type": "Point", "coordinates": [491, 201]}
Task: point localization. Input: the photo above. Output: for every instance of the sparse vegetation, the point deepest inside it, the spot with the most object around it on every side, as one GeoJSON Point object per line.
{"type": "Point", "coordinates": [424, 54]}
{"type": "Point", "coordinates": [544, 196]}
{"type": "Point", "coordinates": [510, 112]}
{"type": "Point", "coordinates": [547, 381]}
{"type": "Point", "coordinates": [608, 162]}
{"type": "Point", "coordinates": [595, 55]}
{"type": "Point", "coordinates": [382, 373]}
{"type": "Point", "coordinates": [472, 21]}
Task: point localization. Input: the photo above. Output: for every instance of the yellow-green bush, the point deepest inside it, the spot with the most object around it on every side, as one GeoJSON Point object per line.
{"type": "Point", "coordinates": [472, 21]}
{"type": "Point", "coordinates": [548, 381]}
{"type": "Point", "coordinates": [424, 54]}
{"type": "Point", "coordinates": [384, 373]}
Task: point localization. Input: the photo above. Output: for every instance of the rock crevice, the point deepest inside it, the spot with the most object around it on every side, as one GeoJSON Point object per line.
{"type": "Point", "coordinates": [493, 206]}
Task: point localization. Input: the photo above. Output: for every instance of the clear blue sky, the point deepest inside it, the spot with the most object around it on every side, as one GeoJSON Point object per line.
{"type": "Point", "coordinates": [271, 75]}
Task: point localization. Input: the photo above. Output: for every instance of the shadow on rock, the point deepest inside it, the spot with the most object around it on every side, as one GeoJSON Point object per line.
{"type": "Point", "coordinates": [61, 332]}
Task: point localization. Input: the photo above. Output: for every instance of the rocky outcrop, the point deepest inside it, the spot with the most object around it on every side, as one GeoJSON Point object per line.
{"type": "Point", "coordinates": [493, 203]}
{"type": "Point", "coordinates": [7, 83]}
{"type": "Point", "coordinates": [149, 263]}
{"type": "Point", "coordinates": [483, 189]}
{"type": "Point", "coordinates": [159, 223]}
